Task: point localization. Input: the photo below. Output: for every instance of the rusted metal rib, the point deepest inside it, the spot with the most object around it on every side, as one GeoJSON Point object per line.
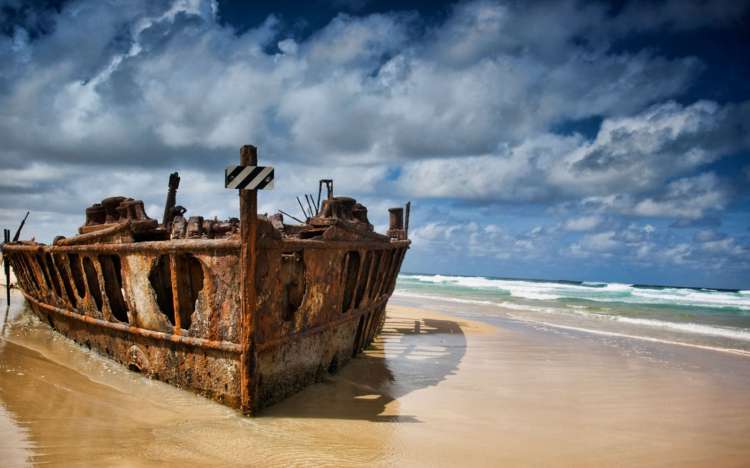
{"type": "Point", "coordinates": [185, 340]}
{"type": "Point", "coordinates": [174, 283]}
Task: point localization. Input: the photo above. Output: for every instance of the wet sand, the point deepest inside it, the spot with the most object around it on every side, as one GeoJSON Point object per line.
{"type": "Point", "coordinates": [434, 390]}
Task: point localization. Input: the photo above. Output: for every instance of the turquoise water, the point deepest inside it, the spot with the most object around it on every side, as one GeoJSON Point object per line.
{"type": "Point", "coordinates": [706, 316]}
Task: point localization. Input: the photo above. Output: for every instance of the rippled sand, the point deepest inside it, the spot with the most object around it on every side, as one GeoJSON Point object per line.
{"type": "Point", "coordinates": [433, 390]}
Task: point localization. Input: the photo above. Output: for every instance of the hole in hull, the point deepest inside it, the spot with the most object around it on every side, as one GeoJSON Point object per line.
{"type": "Point", "coordinates": [190, 281]}
{"type": "Point", "coordinates": [112, 272]}
{"type": "Point", "coordinates": [160, 279]}
{"type": "Point", "coordinates": [383, 275]}
{"type": "Point", "coordinates": [189, 277]}
{"type": "Point", "coordinates": [60, 262]}
{"type": "Point", "coordinates": [45, 275]}
{"type": "Point", "coordinates": [350, 278]}
{"type": "Point", "coordinates": [93, 281]}
{"type": "Point", "coordinates": [52, 274]}
{"type": "Point", "coordinates": [75, 272]}
{"type": "Point", "coordinates": [27, 266]}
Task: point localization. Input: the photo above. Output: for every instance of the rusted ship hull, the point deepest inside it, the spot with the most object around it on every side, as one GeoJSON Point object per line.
{"type": "Point", "coordinates": [171, 309]}
{"type": "Point", "coordinates": [335, 320]}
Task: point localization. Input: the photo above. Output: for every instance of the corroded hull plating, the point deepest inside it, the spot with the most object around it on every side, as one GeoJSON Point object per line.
{"type": "Point", "coordinates": [340, 310]}
{"type": "Point", "coordinates": [176, 301]}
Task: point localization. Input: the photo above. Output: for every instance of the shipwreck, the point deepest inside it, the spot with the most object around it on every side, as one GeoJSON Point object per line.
{"type": "Point", "coordinates": [245, 311]}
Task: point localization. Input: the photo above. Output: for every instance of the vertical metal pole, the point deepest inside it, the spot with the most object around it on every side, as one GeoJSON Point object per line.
{"type": "Point", "coordinates": [309, 205]}
{"type": "Point", "coordinates": [320, 189]}
{"type": "Point", "coordinates": [406, 221]}
{"type": "Point", "coordinates": [175, 284]}
{"type": "Point", "coordinates": [248, 222]}
{"type": "Point", "coordinates": [6, 233]}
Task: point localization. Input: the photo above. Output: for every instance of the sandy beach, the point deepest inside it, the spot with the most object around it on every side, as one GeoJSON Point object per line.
{"type": "Point", "coordinates": [434, 390]}
{"type": "Point", "coordinates": [451, 233]}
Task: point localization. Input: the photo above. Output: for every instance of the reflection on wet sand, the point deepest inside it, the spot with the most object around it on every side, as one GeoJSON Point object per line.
{"type": "Point", "coordinates": [408, 355]}
{"type": "Point", "coordinates": [62, 404]}
{"type": "Point", "coordinates": [16, 448]}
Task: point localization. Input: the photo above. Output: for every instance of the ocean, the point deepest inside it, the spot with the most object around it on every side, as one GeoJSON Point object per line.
{"type": "Point", "coordinates": [699, 317]}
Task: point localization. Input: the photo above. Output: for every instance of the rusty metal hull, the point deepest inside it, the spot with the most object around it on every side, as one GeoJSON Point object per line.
{"type": "Point", "coordinates": [171, 309]}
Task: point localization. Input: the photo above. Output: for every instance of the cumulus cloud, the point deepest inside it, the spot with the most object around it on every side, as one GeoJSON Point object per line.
{"type": "Point", "coordinates": [642, 151]}
{"type": "Point", "coordinates": [167, 82]}
{"type": "Point", "coordinates": [480, 240]}
{"type": "Point", "coordinates": [643, 245]}
{"type": "Point", "coordinates": [689, 197]}
{"type": "Point", "coordinates": [583, 223]}
{"type": "Point", "coordinates": [97, 98]}
{"type": "Point", "coordinates": [634, 165]}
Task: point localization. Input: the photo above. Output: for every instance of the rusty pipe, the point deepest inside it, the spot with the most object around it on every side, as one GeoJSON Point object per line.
{"type": "Point", "coordinates": [184, 340]}
{"type": "Point", "coordinates": [204, 245]}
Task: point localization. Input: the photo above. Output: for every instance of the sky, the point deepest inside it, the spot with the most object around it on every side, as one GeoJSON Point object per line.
{"type": "Point", "coordinates": [599, 141]}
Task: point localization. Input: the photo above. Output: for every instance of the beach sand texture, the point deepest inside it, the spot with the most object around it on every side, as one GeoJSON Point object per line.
{"type": "Point", "coordinates": [434, 390]}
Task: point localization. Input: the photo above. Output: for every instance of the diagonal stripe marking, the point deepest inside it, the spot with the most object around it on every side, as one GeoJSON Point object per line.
{"type": "Point", "coordinates": [232, 172]}
{"type": "Point", "coordinates": [257, 179]}
{"type": "Point", "coordinates": [267, 182]}
{"type": "Point", "coordinates": [245, 184]}
{"type": "Point", "coordinates": [240, 177]}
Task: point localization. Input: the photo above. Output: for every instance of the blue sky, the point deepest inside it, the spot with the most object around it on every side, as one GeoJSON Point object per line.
{"type": "Point", "coordinates": [563, 140]}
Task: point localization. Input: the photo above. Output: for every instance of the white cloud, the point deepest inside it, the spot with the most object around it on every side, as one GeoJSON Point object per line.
{"type": "Point", "coordinates": [362, 88]}
{"type": "Point", "coordinates": [476, 107]}
{"type": "Point", "coordinates": [688, 198]}
{"type": "Point", "coordinates": [583, 223]}
{"type": "Point", "coordinates": [635, 165]}
{"type": "Point", "coordinates": [601, 242]}
{"type": "Point", "coordinates": [641, 245]}
{"type": "Point", "coordinates": [481, 240]}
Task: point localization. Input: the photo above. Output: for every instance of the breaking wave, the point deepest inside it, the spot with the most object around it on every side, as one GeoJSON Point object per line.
{"type": "Point", "coordinates": [696, 328]}
{"type": "Point", "coordinates": [646, 310]}
{"type": "Point", "coordinates": [591, 291]}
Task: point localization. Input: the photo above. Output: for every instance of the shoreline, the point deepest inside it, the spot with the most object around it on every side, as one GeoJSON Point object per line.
{"type": "Point", "coordinates": [437, 388]}
{"type": "Point", "coordinates": [687, 334]}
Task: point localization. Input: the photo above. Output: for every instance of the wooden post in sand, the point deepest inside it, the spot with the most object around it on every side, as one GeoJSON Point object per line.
{"type": "Point", "coordinates": [248, 232]}
{"type": "Point", "coordinates": [248, 178]}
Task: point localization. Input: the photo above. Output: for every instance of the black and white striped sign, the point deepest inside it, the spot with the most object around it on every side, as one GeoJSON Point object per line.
{"type": "Point", "coordinates": [248, 177]}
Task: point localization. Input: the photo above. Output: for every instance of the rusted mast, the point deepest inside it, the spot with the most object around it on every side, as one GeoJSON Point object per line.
{"type": "Point", "coordinates": [248, 222]}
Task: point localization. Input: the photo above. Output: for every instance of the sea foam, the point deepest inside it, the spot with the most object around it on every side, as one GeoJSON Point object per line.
{"type": "Point", "coordinates": [590, 291]}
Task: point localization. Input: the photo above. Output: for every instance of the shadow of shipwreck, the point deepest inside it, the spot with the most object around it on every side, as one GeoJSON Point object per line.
{"type": "Point", "coordinates": [407, 355]}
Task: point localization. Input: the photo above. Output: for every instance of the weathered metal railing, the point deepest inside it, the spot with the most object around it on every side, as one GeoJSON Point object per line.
{"type": "Point", "coordinates": [49, 275]}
